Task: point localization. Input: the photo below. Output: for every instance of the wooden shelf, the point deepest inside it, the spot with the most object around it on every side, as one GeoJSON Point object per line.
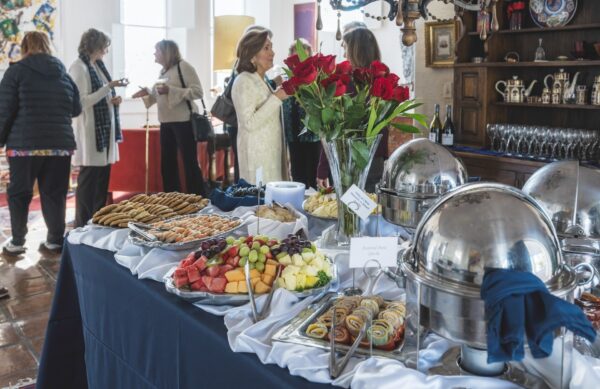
{"type": "Point", "coordinates": [549, 64]}
{"type": "Point", "coordinates": [537, 30]}
{"type": "Point", "coordinates": [540, 105]}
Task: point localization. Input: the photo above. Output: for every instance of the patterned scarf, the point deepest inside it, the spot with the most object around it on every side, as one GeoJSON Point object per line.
{"type": "Point", "coordinates": [101, 113]}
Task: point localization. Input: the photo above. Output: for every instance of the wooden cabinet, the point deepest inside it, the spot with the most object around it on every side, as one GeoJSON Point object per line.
{"type": "Point", "coordinates": [477, 103]}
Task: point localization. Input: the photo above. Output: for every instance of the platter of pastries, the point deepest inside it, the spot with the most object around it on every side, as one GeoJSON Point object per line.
{"type": "Point", "coordinates": [384, 321]}
{"type": "Point", "coordinates": [323, 204]}
{"type": "Point", "coordinates": [276, 212]}
{"type": "Point", "coordinates": [183, 232]}
{"type": "Point", "coordinates": [144, 208]}
{"type": "Point", "coordinates": [216, 272]}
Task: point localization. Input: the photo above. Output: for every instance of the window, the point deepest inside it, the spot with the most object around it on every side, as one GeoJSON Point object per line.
{"type": "Point", "coordinates": [143, 23]}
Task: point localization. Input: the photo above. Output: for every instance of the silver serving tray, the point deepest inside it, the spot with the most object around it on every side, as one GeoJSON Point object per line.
{"type": "Point", "coordinates": [295, 331]}
{"type": "Point", "coordinates": [209, 298]}
{"type": "Point", "coordinates": [313, 215]}
{"type": "Point", "coordinates": [137, 240]}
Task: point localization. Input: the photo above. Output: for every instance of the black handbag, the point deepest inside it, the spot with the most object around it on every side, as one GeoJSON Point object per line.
{"type": "Point", "coordinates": [201, 124]}
{"type": "Point", "coordinates": [223, 107]}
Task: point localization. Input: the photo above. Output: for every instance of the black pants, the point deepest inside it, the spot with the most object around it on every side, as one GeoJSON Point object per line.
{"type": "Point", "coordinates": [52, 174]}
{"type": "Point", "coordinates": [232, 131]}
{"type": "Point", "coordinates": [304, 159]}
{"type": "Point", "coordinates": [179, 136]}
{"type": "Point", "coordinates": [92, 191]}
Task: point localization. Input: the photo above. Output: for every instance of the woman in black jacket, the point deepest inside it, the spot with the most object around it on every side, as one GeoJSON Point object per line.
{"type": "Point", "coordinates": [38, 99]}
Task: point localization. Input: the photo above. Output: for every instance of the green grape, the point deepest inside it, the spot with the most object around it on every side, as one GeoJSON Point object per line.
{"type": "Point", "coordinates": [260, 266]}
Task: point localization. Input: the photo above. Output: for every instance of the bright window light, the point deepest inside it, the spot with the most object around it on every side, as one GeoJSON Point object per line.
{"type": "Point", "coordinates": [229, 7]}
{"type": "Point", "coordinates": [150, 13]}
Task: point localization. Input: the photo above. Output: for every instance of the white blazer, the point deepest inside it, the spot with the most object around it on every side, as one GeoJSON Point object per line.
{"type": "Point", "coordinates": [84, 125]}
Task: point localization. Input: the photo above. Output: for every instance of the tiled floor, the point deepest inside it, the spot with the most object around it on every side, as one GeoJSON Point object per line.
{"type": "Point", "coordinates": [30, 279]}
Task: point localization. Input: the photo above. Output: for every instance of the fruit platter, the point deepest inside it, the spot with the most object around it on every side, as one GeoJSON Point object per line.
{"type": "Point", "coordinates": [323, 204]}
{"type": "Point", "coordinates": [384, 320]}
{"type": "Point", "coordinates": [215, 273]}
{"type": "Point", "coordinates": [184, 232]}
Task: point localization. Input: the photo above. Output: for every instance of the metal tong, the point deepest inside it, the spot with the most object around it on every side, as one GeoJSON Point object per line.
{"type": "Point", "coordinates": [337, 367]}
{"type": "Point", "coordinates": [138, 229]}
{"type": "Point", "coordinates": [258, 316]}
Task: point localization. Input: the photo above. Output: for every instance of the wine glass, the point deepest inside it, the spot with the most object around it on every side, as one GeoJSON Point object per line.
{"type": "Point", "coordinates": [492, 131]}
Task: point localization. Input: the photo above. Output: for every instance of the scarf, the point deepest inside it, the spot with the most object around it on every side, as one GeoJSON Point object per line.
{"type": "Point", "coordinates": [101, 113]}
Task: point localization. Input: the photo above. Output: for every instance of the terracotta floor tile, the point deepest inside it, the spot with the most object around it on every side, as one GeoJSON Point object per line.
{"type": "Point", "coordinates": [32, 286]}
{"type": "Point", "coordinates": [34, 327]}
{"type": "Point", "coordinates": [14, 359]}
{"type": "Point", "coordinates": [12, 379]}
{"type": "Point", "coordinates": [8, 335]}
{"type": "Point", "coordinates": [51, 265]}
{"type": "Point", "coordinates": [38, 345]}
{"type": "Point", "coordinates": [22, 307]}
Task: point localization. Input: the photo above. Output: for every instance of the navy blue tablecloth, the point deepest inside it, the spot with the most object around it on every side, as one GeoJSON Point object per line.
{"type": "Point", "coordinates": [107, 329]}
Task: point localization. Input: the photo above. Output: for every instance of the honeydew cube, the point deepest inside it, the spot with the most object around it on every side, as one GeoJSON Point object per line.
{"type": "Point", "coordinates": [281, 283]}
{"type": "Point", "coordinates": [285, 260]}
{"type": "Point", "coordinates": [327, 268]}
{"type": "Point", "coordinates": [290, 270]}
{"type": "Point", "coordinates": [300, 281]}
{"type": "Point", "coordinates": [308, 257]}
{"type": "Point", "coordinates": [309, 270]}
{"type": "Point", "coordinates": [290, 281]}
{"type": "Point", "coordinates": [317, 263]}
{"type": "Point", "coordinates": [297, 260]}
{"type": "Point", "coordinates": [320, 255]}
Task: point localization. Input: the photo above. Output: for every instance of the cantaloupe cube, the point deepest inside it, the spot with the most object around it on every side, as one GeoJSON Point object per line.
{"type": "Point", "coordinates": [261, 287]}
{"type": "Point", "coordinates": [254, 281]}
{"type": "Point", "coordinates": [241, 286]}
{"type": "Point", "coordinates": [270, 269]}
{"type": "Point", "coordinates": [271, 262]}
{"type": "Point", "coordinates": [235, 275]}
{"type": "Point", "coordinates": [231, 287]}
{"type": "Point", "coordinates": [254, 273]}
{"type": "Point", "coordinates": [267, 279]}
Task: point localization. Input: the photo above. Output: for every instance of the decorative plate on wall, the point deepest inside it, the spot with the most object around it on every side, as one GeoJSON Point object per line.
{"type": "Point", "coordinates": [552, 13]}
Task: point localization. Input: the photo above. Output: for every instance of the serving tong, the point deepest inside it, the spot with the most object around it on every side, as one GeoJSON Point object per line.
{"type": "Point", "coordinates": [266, 308]}
{"type": "Point", "coordinates": [140, 229]}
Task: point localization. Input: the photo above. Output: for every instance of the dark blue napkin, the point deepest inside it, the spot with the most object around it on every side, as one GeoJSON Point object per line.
{"type": "Point", "coordinates": [518, 303]}
{"type": "Point", "coordinates": [225, 201]}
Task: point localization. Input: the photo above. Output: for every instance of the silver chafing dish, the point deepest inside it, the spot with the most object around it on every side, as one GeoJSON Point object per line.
{"type": "Point", "coordinates": [415, 176]}
{"type": "Point", "coordinates": [570, 194]}
{"type": "Point", "coordinates": [471, 229]}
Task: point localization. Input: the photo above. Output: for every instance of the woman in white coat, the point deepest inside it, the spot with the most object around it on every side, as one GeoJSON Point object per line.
{"type": "Point", "coordinates": [260, 135]}
{"type": "Point", "coordinates": [97, 129]}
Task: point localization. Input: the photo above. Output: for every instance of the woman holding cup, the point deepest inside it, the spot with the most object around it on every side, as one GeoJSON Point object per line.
{"type": "Point", "coordinates": [97, 129]}
{"type": "Point", "coordinates": [174, 94]}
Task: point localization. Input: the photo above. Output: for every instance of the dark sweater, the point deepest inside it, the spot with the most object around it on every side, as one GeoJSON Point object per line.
{"type": "Point", "coordinates": [38, 99]}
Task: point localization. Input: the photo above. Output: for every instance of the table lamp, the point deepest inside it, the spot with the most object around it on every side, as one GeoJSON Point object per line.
{"type": "Point", "coordinates": [228, 31]}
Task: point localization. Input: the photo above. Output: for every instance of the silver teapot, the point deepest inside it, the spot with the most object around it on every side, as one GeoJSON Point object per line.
{"type": "Point", "coordinates": [596, 91]}
{"type": "Point", "coordinates": [514, 90]}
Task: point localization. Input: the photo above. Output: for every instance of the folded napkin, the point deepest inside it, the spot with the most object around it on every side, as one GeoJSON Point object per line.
{"type": "Point", "coordinates": [225, 200]}
{"type": "Point", "coordinates": [517, 304]}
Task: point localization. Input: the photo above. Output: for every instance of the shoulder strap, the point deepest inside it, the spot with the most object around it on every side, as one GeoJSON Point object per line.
{"type": "Point", "coordinates": [189, 105]}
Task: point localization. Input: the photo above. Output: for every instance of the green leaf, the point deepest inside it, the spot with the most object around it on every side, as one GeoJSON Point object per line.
{"type": "Point", "coordinates": [300, 50]}
{"type": "Point", "coordinates": [288, 72]}
{"type": "Point", "coordinates": [406, 128]}
{"type": "Point", "coordinates": [360, 152]}
{"type": "Point", "coordinates": [327, 115]}
{"type": "Point", "coordinates": [372, 117]}
{"type": "Point", "coordinates": [330, 91]}
{"type": "Point", "coordinates": [313, 122]}
{"type": "Point", "coordinates": [420, 118]}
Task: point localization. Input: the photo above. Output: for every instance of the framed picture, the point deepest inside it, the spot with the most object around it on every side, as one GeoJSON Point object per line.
{"type": "Point", "coordinates": [440, 44]}
{"type": "Point", "coordinates": [305, 22]}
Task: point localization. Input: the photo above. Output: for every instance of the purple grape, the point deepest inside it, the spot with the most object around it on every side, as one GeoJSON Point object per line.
{"type": "Point", "coordinates": [197, 254]}
{"type": "Point", "coordinates": [222, 245]}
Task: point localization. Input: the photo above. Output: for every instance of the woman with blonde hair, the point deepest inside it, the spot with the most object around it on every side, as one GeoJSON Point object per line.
{"type": "Point", "coordinates": [260, 140]}
{"type": "Point", "coordinates": [97, 129]}
{"type": "Point", "coordinates": [175, 96]}
{"type": "Point", "coordinates": [38, 100]}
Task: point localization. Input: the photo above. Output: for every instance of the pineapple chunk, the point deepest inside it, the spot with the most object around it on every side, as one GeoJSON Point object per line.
{"type": "Point", "coordinates": [297, 260]}
{"type": "Point", "coordinates": [231, 287]}
{"type": "Point", "coordinates": [261, 287]}
{"type": "Point", "coordinates": [267, 279]}
{"type": "Point", "coordinates": [318, 263]}
{"type": "Point", "coordinates": [311, 281]}
{"type": "Point", "coordinates": [291, 269]}
{"type": "Point", "coordinates": [309, 270]}
{"type": "Point", "coordinates": [235, 275]}
{"type": "Point", "coordinates": [300, 281]}
{"type": "Point", "coordinates": [290, 281]}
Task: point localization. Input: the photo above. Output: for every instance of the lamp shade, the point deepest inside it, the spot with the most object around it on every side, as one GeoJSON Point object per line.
{"type": "Point", "coordinates": [228, 31]}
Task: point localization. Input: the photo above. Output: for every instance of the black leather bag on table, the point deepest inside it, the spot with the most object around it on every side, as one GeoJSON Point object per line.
{"type": "Point", "coordinates": [201, 124]}
{"type": "Point", "coordinates": [223, 108]}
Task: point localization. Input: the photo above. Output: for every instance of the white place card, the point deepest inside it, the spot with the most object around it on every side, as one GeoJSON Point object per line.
{"type": "Point", "coordinates": [358, 202]}
{"type": "Point", "coordinates": [367, 250]}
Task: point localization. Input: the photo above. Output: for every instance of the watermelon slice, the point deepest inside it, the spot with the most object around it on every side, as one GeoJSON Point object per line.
{"type": "Point", "coordinates": [193, 273]}
{"type": "Point", "coordinates": [218, 285]}
{"type": "Point", "coordinates": [224, 269]}
{"type": "Point", "coordinates": [180, 273]}
{"type": "Point", "coordinates": [201, 263]}
{"type": "Point", "coordinates": [180, 281]}
{"type": "Point", "coordinates": [207, 281]}
{"type": "Point", "coordinates": [198, 285]}
{"type": "Point", "coordinates": [213, 271]}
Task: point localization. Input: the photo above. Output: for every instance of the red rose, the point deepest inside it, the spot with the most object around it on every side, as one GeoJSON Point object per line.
{"type": "Point", "coordinates": [341, 83]}
{"type": "Point", "coordinates": [292, 61]}
{"type": "Point", "coordinates": [362, 75]}
{"type": "Point", "coordinates": [343, 68]}
{"type": "Point", "coordinates": [401, 93]}
{"type": "Point", "coordinates": [393, 78]}
{"type": "Point", "coordinates": [305, 72]}
{"type": "Point", "coordinates": [326, 63]}
{"type": "Point", "coordinates": [379, 69]}
{"type": "Point", "coordinates": [290, 86]}
{"type": "Point", "coordinates": [383, 87]}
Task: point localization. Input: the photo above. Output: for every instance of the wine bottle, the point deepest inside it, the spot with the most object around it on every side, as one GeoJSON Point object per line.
{"type": "Point", "coordinates": [435, 128]}
{"type": "Point", "coordinates": [448, 130]}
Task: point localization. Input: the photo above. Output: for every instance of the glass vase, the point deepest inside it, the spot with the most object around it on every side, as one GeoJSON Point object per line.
{"type": "Point", "coordinates": [349, 162]}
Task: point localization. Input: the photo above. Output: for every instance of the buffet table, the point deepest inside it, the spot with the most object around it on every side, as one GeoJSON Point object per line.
{"type": "Point", "coordinates": [108, 329]}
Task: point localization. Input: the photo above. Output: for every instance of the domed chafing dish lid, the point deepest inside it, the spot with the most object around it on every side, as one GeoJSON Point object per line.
{"type": "Point", "coordinates": [570, 194]}
{"type": "Point", "coordinates": [482, 226]}
{"type": "Point", "coordinates": [422, 167]}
